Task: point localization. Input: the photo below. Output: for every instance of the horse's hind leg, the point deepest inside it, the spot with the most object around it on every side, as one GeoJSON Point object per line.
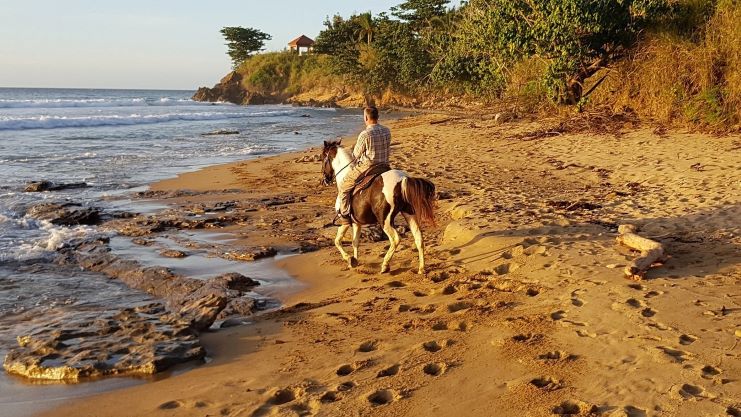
{"type": "Point", "coordinates": [393, 236]}
{"type": "Point", "coordinates": [418, 241]}
{"type": "Point", "coordinates": [355, 245]}
{"type": "Point", "coordinates": [338, 243]}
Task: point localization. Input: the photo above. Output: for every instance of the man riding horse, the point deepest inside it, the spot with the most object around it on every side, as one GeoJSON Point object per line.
{"type": "Point", "coordinates": [371, 151]}
{"type": "Point", "coordinates": [381, 194]}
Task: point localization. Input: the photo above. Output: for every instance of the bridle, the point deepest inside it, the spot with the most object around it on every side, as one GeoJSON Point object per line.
{"type": "Point", "coordinates": [334, 177]}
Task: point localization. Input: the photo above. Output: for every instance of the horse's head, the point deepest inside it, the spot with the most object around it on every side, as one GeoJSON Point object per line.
{"type": "Point", "coordinates": [328, 154]}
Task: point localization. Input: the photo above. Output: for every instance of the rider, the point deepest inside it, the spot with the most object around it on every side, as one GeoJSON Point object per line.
{"type": "Point", "coordinates": [371, 148]}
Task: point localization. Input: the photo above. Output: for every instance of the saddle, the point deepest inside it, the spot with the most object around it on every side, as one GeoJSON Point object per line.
{"type": "Point", "coordinates": [364, 181]}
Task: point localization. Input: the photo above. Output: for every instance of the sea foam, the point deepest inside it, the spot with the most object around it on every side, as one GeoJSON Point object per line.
{"type": "Point", "coordinates": [53, 122]}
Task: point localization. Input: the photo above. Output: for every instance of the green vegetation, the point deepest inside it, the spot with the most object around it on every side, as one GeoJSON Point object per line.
{"type": "Point", "coordinates": [668, 60]}
{"type": "Point", "coordinates": [243, 42]}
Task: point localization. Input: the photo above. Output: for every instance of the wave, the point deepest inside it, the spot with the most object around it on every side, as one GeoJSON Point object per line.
{"type": "Point", "coordinates": [53, 122]}
{"type": "Point", "coordinates": [127, 102]}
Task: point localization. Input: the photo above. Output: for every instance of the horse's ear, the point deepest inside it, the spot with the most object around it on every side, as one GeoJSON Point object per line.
{"type": "Point", "coordinates": [338, 142]}
{"type": "Point", "coordinates": [326, 144]}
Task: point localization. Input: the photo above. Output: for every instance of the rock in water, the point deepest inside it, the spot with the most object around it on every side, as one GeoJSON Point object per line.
{"type": "Point", "coordinates": [44, 185]}
{"type": "Point", "coordinates": [230, 89]}
{"type": "Point", "coordinates": [141, 340]}
{"type": "Point", "coordinates": [65, 214]}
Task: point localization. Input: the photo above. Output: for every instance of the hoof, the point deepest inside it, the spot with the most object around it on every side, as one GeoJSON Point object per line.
{"type": "Point", "coordinates": [353, 262]}
{"type": "Point", "coordinates": [421, 271]}
{"type": "Point", "coordinates": [384, 269]}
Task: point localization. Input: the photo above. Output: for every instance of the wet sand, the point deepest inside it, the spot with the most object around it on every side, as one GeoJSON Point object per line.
{"type": "Point", "coordinates": [525, 310]}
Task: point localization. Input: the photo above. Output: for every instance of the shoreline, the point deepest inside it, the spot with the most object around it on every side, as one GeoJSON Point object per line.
{"type": "Point", "coordinates": [523, 300]}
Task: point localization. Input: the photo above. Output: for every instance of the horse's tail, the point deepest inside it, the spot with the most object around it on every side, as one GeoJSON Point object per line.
{"type": "Point", "coordinates": [420, 194]}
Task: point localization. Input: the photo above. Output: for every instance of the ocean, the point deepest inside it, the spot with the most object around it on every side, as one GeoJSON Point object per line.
{"type": "Point", "coordinates": [117, 142]}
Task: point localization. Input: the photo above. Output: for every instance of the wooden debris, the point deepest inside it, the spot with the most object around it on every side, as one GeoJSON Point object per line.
{"type": "Point", "coordinates": [651, 251]}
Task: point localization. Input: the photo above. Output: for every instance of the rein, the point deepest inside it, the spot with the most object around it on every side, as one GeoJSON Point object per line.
{"type": "Point", "coordinates": [334, 177]}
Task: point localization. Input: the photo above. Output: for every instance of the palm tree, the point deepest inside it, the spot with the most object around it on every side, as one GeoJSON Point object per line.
{"type": "Point", "coordinates": [367, 27]}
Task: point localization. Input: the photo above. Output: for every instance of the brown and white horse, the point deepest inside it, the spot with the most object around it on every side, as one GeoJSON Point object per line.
{"type": "Point", "coordinates": [389, 194]}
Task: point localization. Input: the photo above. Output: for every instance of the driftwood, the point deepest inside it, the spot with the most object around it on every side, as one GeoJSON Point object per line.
{"type": "Point", "coordinates": [651, 251]}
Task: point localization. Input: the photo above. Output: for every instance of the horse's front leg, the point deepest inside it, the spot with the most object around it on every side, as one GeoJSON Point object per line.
{"type": "Point", "coordinates": [393, 239]}
{"type": "Point", "coordinates": [355, 244]}
{"type": "Point", "coordinates": [338, 243]}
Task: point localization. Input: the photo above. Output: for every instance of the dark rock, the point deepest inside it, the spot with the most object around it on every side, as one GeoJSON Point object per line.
{"type": "Point", "coordinates": [202, 312]}
{"type": "Point", "coordinates": [44, 185]}
{"type": "Point", "coordinates": [221, 132]}
{"type": "Point", "coordinates": [234, 281]}
{"type": "Point", "coordinates": [66, 214]}
{"type": "Point", "coordinates": [251, 254]}
{"type": "Point", "coordinates": [141, 340]}
{"type": "Point", "coordinates": [173, 253]}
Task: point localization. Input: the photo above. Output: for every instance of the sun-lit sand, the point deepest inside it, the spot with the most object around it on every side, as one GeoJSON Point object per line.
{"type": "Point", "coordinates": [525, 310]}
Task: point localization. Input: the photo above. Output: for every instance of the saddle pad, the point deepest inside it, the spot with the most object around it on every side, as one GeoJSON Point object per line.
{"type": "Point", "coordinates": [365, 180]}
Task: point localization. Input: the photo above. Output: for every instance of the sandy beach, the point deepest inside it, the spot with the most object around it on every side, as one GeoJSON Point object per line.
{"type": "Point", "coordinates": [525, 309]}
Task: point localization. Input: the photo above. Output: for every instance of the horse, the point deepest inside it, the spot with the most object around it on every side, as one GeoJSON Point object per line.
{"type": "Point", "coordinates": [388, 194]}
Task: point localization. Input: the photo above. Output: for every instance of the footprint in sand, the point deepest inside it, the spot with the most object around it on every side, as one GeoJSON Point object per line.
{"type": "Point", "coordinates": [330, 397]}
{"type": "Point", "coordinates": [733, 411]}
{"type": "Point", "coordinates": [557, 355]}
{"type": "Point", "coordinates": [634, 303]}
{"type": "Point", "coordinates": [460, 305]}
{"type": "Point", "coordinates": [577, 302]}
{"type": "Point", "coordinates": [382, 397]}
{"type": "Point", "coordinates": [687, 339]}
{"type": "Point", "coordinates": [676, 354]}
{"type": "Point", "coordinates": [631, 411]}
{"type": "Point", "coordinates": [546, 383]}
{"type": "Point", "coordinates": [347, 369]}
{"type": "Point", "coordinates": [390, 371]}
{"type": "Point", "coordinates": [648, 312]}
{"type": "Point", "coordinates": [688, 391]}
{"type": "Point", "coordinates": [571, 408]}
{"type": "Point", "coordinates": [558, 315]}
{"type": "Point", "coordinates": [170, 405]}
{"type": "Point", "coordinates": [435, 368]}
{"type": "Point", "coordinates": [346, 386]}
{"type": "Point", "coordinates": [461, 326]}
{"type": "Point", "coordinates": [286, 395]}
{"type": "Point", "coordinates": [527, 338]}
{"type": "Point", "coordinates": [368, 346]}
{"type": "Point", "coordinates": [432, 346]}
{"type": "Point", "coordinates": [710, 371]}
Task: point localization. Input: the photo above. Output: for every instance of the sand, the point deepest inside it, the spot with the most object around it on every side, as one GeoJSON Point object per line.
{"type": "Point", "coordinates": [524, 311]}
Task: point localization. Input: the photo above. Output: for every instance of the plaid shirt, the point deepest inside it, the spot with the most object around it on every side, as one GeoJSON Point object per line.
{"type": "Point", "coordinates": [372, 147]}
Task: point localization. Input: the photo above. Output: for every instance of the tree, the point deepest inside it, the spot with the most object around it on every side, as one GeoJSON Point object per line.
{"type": "Point", "coordinates": [418, 13]}
{"type": "Point", "coordinates": [243, 42]}
{"type": "Point", "coordinates": [576, 37]}
{"type": "Point", "coordinates": [367, 27]}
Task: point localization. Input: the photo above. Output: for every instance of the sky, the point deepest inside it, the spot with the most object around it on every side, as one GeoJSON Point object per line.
{"type": "Point", "coordinates": [152, 44]}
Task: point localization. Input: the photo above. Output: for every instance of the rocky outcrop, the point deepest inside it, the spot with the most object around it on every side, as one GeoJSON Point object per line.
{"type": "Point", "coordinates": [65, 214]}
{"type": "Point", "coordinates": [195, 301]}
{"type": "Point", "coordinates": [44, 185]}
{"type": "Point", "coordinates": [140, 340]}
{"type": "Point", "coordinates": [231, 90]}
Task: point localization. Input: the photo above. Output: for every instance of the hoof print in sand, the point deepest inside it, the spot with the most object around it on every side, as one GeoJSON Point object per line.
{"type": "Point", "coordinates": [286, 395]}
{"type": "Point", "coordinates": [432, 346]}
{"type": "Point", "coordinates": [170, 405]}
{"type": "Point", "coordinates": [390, 371]}
{"type": "Point", "coordinates": [382, 397]}
{"type": "Point", "coordinates": [435, 368]}
{"type": "Point", "coordinates": [347, 369]}
{"type": "Point", "coordinates": [546, 383]}
{"type": "Point", "coordinates": [368, 346]}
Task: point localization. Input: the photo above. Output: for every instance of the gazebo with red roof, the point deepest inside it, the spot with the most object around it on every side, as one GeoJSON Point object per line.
{"type": "Point", "coordinates": [302, 41]}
